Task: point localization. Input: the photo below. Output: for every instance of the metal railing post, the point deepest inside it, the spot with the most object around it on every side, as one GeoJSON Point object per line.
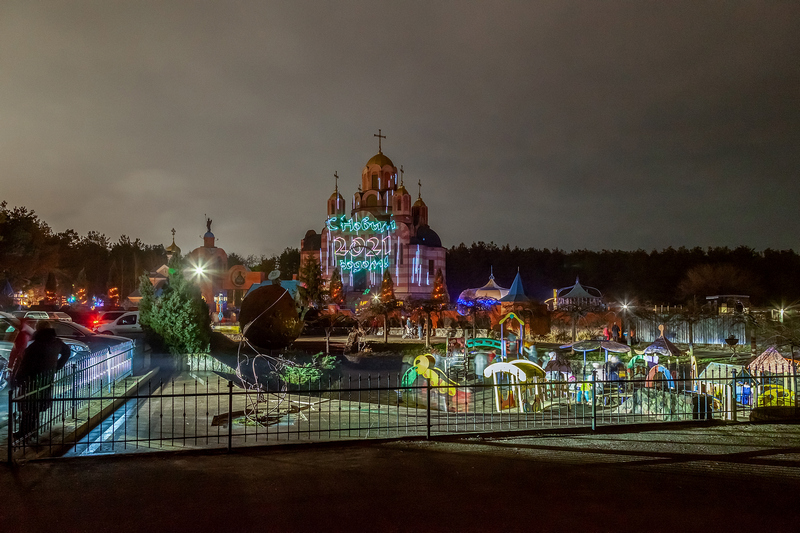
{"type": "Point", "coordinates": [10, 423]}
{"type": "Point", "coordinates": [230, 415]}
{"type": "Point", "coordinates": [74, 390]}
{"type": "Point", "coordinates": [428, 388]}
{"type": "Point", "coordinates": [594, 400]}
{"type": "Point", "coordinates": [733, 396]}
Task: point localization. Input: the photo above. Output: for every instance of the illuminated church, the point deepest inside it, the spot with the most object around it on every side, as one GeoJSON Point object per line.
{"type": "Point", "coordinates": [383, 231]}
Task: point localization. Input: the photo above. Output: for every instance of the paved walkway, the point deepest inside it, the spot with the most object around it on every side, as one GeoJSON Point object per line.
{"type": "Point", "coordinates": [716, 478]}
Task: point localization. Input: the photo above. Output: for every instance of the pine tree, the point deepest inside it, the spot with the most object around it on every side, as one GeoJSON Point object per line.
{"type": "Point", "coordinates": [387, 289]}
{"type": "Point", "coordinates": [80, 287]}
{"type": "Point", "coordinates": [439, 292]}
{"type": "Point", "coordinates": [50, 288]}
{"type": "Point", "coordinates": [178, 318]}
{"type": "Point", "coordinates": [311, 276]}
{"type": "Point", "coordinates": [336, 289]}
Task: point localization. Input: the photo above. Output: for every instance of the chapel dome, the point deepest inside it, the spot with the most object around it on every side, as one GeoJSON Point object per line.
{"type": "Point", "coordinates": [419, 203]}
{"type": "Point", "coordinates": [173, 248]}
{"type": "Point", "coordinates": [427, 237]}
{"type": "Point", "coordinates": [401, 190]}
{"type": "Point", "coordinates": [380, 160]}
{"type": "Point", "coordinates": [334, 195]}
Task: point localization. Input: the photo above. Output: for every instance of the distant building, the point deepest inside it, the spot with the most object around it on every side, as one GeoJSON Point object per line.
{"type": "Point", "coordinates": [383, 231]}
{"type": "Point", "coordinates": [576, 296]}
{"type": "Point", "coordinates": [207, 267]}
{"type": "Point", "coordinates": [723, 304]}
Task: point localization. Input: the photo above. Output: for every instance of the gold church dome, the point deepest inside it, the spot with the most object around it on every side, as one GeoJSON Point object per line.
{"type": "Point", "coordinates": [380, 160]}
{"type": "Point", "coordinates": [419, 203]}
{"type": "Point", "coordinates": [401, 190]}
{"type": "Point", "coordinates": [173, 248]}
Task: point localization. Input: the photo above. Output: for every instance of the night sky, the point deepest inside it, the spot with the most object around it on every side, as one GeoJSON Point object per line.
{"type": "Point", "coordinates": [599, 125]}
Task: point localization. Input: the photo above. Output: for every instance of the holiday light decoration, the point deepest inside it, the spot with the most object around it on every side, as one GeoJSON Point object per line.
{"type": "Point", "coordinates": [360, 243]}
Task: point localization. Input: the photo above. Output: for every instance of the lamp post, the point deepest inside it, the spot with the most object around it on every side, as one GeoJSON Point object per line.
{"type": "Point", "coordinates": [625, 330]}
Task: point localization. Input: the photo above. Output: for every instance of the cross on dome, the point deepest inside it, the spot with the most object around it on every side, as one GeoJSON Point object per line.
{"type": "Point", "coordinates": [379, 136]}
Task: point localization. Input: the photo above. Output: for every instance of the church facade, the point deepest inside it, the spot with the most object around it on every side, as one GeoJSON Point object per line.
{"type": "Point", "coordinates": [382, 231]}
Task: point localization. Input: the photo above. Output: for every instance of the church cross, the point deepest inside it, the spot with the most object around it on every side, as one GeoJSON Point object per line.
{"type": "Point", "coordinates": [401, 175]}
{"type": "Point", "coordinates": [419, 182]}
{"type": "Point", "coordinates": [336, 175]}
{"type": "Point", "coordinates": [379, 136]}
{"type": "Point", "coordinates": [173, 234]}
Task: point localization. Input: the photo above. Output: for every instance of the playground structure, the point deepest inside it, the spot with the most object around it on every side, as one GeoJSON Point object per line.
{"type": "Point", "coordinates": [524, 381]}
{"type": "Point", "coordinates": [445, 394]}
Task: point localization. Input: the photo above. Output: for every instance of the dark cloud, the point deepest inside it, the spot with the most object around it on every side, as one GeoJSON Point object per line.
{"type": "Point", "coordinates": [554, 124]}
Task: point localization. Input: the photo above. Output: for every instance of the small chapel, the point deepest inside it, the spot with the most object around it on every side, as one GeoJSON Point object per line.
{"type": "Point", "coordinates": [382, 231]}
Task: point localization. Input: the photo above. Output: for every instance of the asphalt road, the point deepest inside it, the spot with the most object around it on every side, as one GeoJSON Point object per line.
{"type": "Point", "coordinates": [720, 478]}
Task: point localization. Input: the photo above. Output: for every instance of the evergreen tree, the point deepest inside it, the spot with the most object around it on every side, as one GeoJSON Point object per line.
{"type": "Point", "coordinates": [178, 318]}
{"type": "Point", "coordinates": [439, 292]}
{"type": "Point", "coordinates": [387, 288]}
{"type": "Point", "coordinates": [80, 287]}
{"type": "Point", "coordinates": [336, 288]}
{"type": "Point", "coordinates": [312, 289]}
{"type": "Point", "coordinates": [50, 288]}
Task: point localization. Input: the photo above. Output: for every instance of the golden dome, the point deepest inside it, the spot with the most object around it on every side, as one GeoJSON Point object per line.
{"type": "Point", "coordinates": [419, 203]}
{"type": "Point", "coordinates": [401, 190]}
{"type": "Point", "coordinates": [173, 248]}
{"type": "Point", "coordinates": [334, 195]}
{"type": "Point", "coordinates": [380, 160]}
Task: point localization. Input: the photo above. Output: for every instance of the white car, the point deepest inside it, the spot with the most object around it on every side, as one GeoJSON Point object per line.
{"type": "Point", "coordinates": [124, 325]}
{"type": "Point", "coordinates": [36, 315]}
{"type": "Point", "coordinates": [106, 317]}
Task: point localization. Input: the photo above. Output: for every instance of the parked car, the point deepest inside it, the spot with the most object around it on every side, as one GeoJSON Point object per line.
{"type": "Point", "coordinates": [58, 315]}
{"type": "Point", "coordinates": [105, 317]}
{"type": "Point", "coordinates": [125, 324]}
{"type": "Point", "coordinates": [35, 315]}
{"type": "Point", "coordinates": [94, 341]}
{"type": "Point", "coordinates": [8, 332]}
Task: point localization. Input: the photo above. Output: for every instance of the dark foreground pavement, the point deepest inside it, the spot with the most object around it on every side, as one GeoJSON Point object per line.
{"type": "Point", "coordinates": [716, 478]}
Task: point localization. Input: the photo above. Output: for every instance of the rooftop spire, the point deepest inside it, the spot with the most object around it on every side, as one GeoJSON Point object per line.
{"type": "Point", "coordinates": [419, 182]}
{"type": "Point", "coordinates": [379, 136]}
{"type": "Point", "coordinates": [336, 175]}
{"type": "Point", "coordinates": [401, 175]}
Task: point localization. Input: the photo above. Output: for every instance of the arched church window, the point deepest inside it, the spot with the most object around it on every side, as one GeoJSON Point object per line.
{"type": "Point", "coordinates": [375, 181]}
{"type": "Point", "coordinates": [371, 201]}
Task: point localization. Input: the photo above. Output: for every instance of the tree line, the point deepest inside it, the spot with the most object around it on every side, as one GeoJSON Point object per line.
{"type": "Point", "coordinates": [668, 277]}
{"type": "Point", "coordinates": [33, 256]}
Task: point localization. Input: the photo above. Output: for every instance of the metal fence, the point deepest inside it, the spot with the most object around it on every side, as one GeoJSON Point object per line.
{"type": "Point", "coordinates": [712, 330]}
{"type": "Point", "coordinates": [215, 413]}
{"type": "Point", "coordinates": [37, 405]}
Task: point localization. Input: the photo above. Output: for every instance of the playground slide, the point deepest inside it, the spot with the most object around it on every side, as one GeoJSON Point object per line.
{"type": "Point", "coordinates": [424, 366]}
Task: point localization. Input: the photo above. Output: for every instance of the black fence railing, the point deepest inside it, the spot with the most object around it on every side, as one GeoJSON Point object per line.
{"type": "Point", "coordinates": [211, 412]}
{"type": "Point", "coordinates": [36, 405]}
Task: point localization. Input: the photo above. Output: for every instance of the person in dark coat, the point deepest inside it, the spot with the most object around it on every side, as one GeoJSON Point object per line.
{"type": "Point", "coordinates": [45, 356]}
{"type": "Point", "coordinates": [615, 332]}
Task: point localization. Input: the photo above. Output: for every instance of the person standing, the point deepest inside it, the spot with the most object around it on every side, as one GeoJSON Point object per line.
{"type": "Point", "coordinates": [45, 356]}
{"type": "Point", "coordinates": [24, 334]}
{"type": "Point", "coordinates": [615, 332]}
